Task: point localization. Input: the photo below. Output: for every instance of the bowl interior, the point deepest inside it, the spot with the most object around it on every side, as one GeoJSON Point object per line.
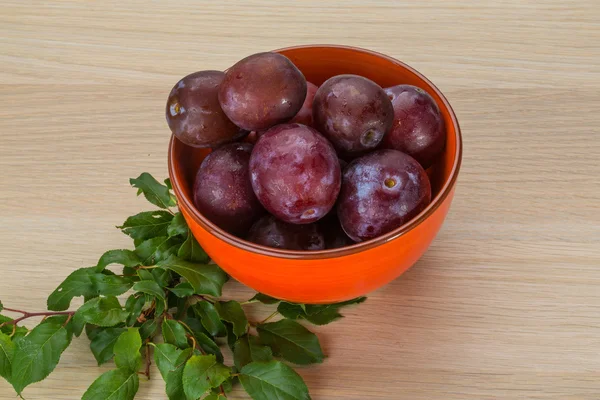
{"type": "Point", "coordinates": [318, 63]}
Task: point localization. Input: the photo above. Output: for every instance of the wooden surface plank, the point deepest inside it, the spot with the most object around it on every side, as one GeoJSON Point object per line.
{"type": "Point", "coordinates": [504, 305]}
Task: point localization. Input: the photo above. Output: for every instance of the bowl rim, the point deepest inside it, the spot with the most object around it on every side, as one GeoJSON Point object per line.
{"type": "Point", "coordinates": [436, 202]}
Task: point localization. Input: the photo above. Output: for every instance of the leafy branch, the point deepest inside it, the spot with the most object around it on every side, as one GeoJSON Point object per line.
{"type": "Point", "coordinates": [172, 315]}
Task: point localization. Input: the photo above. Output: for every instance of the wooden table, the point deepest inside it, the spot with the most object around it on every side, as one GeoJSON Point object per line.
{"type": "Point", "coordinates": [504, 305]}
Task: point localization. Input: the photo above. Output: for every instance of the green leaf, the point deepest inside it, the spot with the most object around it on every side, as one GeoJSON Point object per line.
{"type": "Point", "coordinates": [322, 314]}
{"type": "Point", "coordinates": [210, 318]}
{"type": "Point", "coordinates": [183, 290]}
{"type": "Point", "coordinates": [161, 276]}
{"type": "Point", "coordinates": [8, 328]}
{"type": "Point", "coordinates": [152, 288]}
{"type": "Point", "coordinates": [202, 373]}
{"type": "Point", "coordinates": [263, 298]}
{"type": "Point", "coordinates": [1, 306]}
{"type": "Point", "coordinates": [145, 275]}
{"type": "Point", "coordinates": [273, 380]}
{"type": "Point", "coordinates": [148, 329]}
{"type": "Point", "coordinates": [174, 384]}
{"type": "Point", "coordinates": [231, 337]}
{"type": "Point", "coordinates": [124, 257]}
{"type": "Point", "coordinates": [165, 356]}
{"type": "Point", "coordinates": [231, 311]}
{"type": "Point", "coordinates": [127, 350]}
{"type": "Point", "coordinates": [87, 282]}
{"type": "Point", "coordinates": [134, 306]}
{"type": "Point", "coordinates": [174, 333]}
{"type": "Point", "coordinates": [118, 384]}
{"type": "Point", "coordinates": [248, 349]}
{"type": "Point", "coordinates": [204, 278]}
{"type": "Point", "coordinates": [153, 191]}
{"type": "Point", "coordinates": [206, 343]}
{"type": "Point", "coordinates": [178, 226]}
{"type": "Point", "coordinates": [101, 311]}
{"type": "Point", "coordinates": [37, 354]}
{"type": "Point", "coordinates": [147, 224]}
{"type": "Point", "coordinates": [157, 249]}
{"type": "Point", "coordinates": [290, 310]}
{"type": "Point", "coordinates": [191, 250]}
{"type": "Point", "coordinates": [103, 342]}
{"type": "Point", "coordinates": [168, 183]}
{"type": "Point", "coordinates": [7, 351]}
{"type": "Point", "coordinates": [292, 341]}
{"type": "Point", "coordinates": [214, 396]}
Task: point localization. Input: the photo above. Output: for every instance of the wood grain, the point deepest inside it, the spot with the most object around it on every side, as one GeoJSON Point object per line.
{"type": "Point", "coordinates": [505, 304]}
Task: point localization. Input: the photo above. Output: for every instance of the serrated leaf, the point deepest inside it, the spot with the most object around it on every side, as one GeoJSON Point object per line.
{"type": "Point", "coordinates": [178, 226]}
{"type": "Point", "coordinates": [148, 329]}
{"type": "Point", "coordinates": [153, 191]}
{"type": "Point", "coordinates": [322, 314]}
{"type": "Point", "coordinates": [292, 341]}
{"type": "Point", "coordinates": [174, 384]}
{"type": "Point", "coordinates": [183, 290]}
{"type": "Point", "coordinates": [210, 318]}
{"type": "Point", "coordinates": [127, 350]}
{"type": "Point", "coordinates": [202, 373]}
{"type": "Point", "coordinates": [7, 351]}
{"type": "Point", "coordinates": [124, 257]}
{"type": "Point", "coordinates": [290, 310]}
{"type": "Point", "coordinates": [147, 224]}
{"type": "Point", "coordinates": [191, 250]}
{"type": "Point", "coordinates": [118, 384]}
{"type": "Point", "coordinates": [263, 298]}
{"type": "Point", "coordinates": [103, 342]}
{"type": "Point", "coordinates": [87, 282]}
{"type": "Point", "coordinates": [165, 356]}
{"type": "Point", "coordinates": [204, 278]}
{"type": "Point", "coordinates": [231, 311]}
{"type": "Point", "coordinates": [152, 288]}
{"type": "Point", "coordinates": [161, 276]}
{"type": "Point", "coordinates": [206, 343]}
{"type": "Point", "coordinates": [273, 380]}
{"type": "Point", "coordinates": [157, 249]}
{"type": "Point", "coordinates": [248, 349]}
{"type": "Point", "coordinates": [213, 396]}
{"type": "Point", "coordinates": [145, 275]}
{"type": "Point", "coordinates": [101, 311]}
{"type": "Point", "coordinates": [174, 333]}
{"type": "Point", "coordinates": [37, 354]}
{"type": "Point", "coordinates": [134, 306]}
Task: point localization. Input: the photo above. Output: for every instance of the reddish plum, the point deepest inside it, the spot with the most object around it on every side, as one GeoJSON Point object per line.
{"type": "Point", "coordinates": [380, 192]}
{"type": "Point", "coordinates": [418, 128]}
{"type": "Point", "coordinates": [262, 90]}
{"type": "Point", "coordinates": [353, 112]}
{"type": "Point", "coordinates": [222, 190]}
{"type": "Point", "coordinates": [295, 173]}
{"type": "Point", "coordinates": [269, 231]}
{"type": "Point", "coordinates": [194, 114]}
{"type": "Point", "coordinates": [305, 115]}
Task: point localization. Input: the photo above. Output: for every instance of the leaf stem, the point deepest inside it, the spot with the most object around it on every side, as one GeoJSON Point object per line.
{"type": "Point", "coordinates": [268, 318]}
{"type": "Point", "coordinates": [204, 298]}
{"type": "Point", "coordinates": [251, 301]}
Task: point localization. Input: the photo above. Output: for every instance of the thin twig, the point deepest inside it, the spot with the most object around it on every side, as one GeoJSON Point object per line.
{"type": "Point", "coordinates": [148, 361]}
{"type": "Point", "coordinates": [36, 314]}
{"type": "Point", "coordinates": [268, 318]}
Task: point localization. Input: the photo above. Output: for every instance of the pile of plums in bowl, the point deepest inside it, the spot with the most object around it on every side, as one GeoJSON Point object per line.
{"type": "Point", "coordinates": [313, 174]}
{"type": "Point", "coordinates": [300, 167]}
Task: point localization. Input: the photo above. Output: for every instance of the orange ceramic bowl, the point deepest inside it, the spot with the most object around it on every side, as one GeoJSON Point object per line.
{"type": "Point", "coordinates": [339, 274]}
